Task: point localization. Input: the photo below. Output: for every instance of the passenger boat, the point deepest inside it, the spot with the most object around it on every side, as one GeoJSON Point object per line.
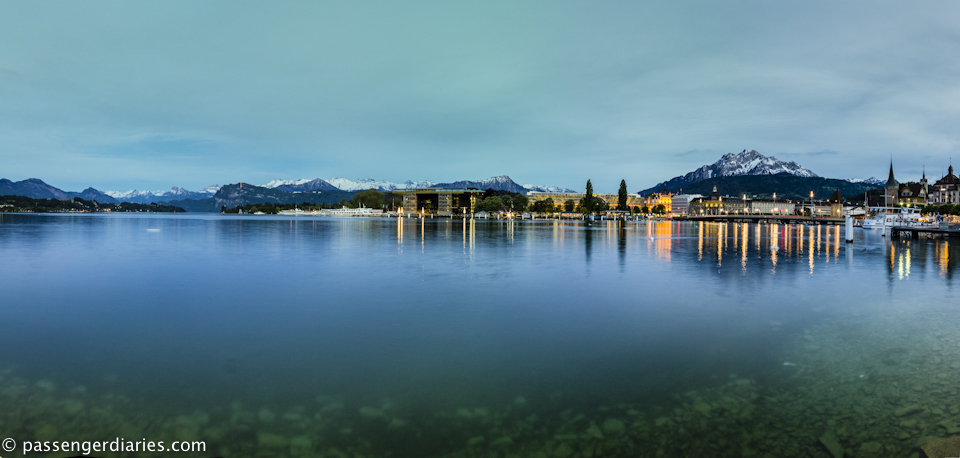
{"type": "Point", "coordinates": [886, 217]}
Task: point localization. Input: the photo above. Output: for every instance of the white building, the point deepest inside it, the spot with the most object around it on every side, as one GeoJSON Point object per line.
{"type": "Point", "coordinates": [681, 203]}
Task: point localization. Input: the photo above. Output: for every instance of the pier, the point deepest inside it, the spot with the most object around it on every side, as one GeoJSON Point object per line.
{"type": "Point", "coordinates": [771, 219]}
{"type": "Point", "coordinates": [943, 231]}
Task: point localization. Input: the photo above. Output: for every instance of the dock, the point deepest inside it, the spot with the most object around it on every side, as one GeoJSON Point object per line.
{"type": "Point", "coordinates": [943, 231]}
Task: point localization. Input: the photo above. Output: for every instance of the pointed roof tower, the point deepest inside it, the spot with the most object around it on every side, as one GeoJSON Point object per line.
{"type": "Point", "coordinates": [836, 197]}
{"type": "Point", "coordinates": [891, 181]}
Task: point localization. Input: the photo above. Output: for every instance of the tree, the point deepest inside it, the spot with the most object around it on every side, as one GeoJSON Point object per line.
{"type": "Point", "coordinates": [636, 209]}
{"type": "Point", "coordinates": [520, 202]}
{"type": "Point", "coordinates": [645, 210]}
{"type": "Point", "coordinates": [543, 206]}
{"type": "Point", "coordinates": [659, 209]}
{"type": "Point", "coordinates": [393, 201]}
{"type": "Point", "coordinates": [370, 198]}
{"type": "Point", "coordinates": [569, 205]}
{"type": "Point", "coordinates": [587, 203]}
{"type": "Point", "coordinates": [490, 204]}
{"type": "Point", "coordinates": [622, 197]}
{"type": "Point", "coordinates": [507, 201]}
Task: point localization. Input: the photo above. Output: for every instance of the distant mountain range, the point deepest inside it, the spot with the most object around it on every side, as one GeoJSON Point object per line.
{"type": "Point", "coordinates": [747, 172]}
{"type": "Point", "coordinates": [37, 189]}
{"type": "Point", "coordinates": [175, 193]}
{"type": "Point", "coordinates": [500, 183]}
{"type": "Point", "coordinates": [212, 198]}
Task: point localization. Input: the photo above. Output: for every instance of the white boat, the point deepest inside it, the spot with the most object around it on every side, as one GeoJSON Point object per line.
{"type": "Point", "coordinates": [887, 217]}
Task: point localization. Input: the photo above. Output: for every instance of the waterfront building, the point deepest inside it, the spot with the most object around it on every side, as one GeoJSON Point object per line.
{"type": "Point", "coordinates": [715, 204]}
{"type": "Point", "coordinates": [836, 204]}
{"type": "Point", "coordinates": [946, 190]}
{"type": "Point", "coordinates": [768, 206]}
{"type": "Point", "coordinates": [660, 198]}
{"type": "Point", "coordinates": [680, 203]}
{"type": "Point", "coordinates": [438, 201]}
{"type": "Point", "coordinates": [913, 194]}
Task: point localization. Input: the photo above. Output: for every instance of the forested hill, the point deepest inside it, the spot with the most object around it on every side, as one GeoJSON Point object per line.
{"type": "Point", "coordinates": [238, 194]}
{"type": "Point", "coordinates": [77, 204]}
{"type": "Point", "coordinates": [785, 185]}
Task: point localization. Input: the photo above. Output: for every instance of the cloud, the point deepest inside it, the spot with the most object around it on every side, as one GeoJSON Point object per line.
{"type": "Point", "coordinates": [551, 93]}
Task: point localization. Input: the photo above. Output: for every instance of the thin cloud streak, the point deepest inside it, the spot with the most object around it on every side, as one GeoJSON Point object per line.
{"type": "Point", "coordinates": [103, 93]}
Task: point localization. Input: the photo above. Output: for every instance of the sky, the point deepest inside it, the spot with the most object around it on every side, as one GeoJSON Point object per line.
{"type": "Point", "coordinates": [153, 94]}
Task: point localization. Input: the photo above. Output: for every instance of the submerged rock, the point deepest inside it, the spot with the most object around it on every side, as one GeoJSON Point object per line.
{"type": "Point", "coordinates": [371, 412]}
{"type": "Point", "coordinates": [908, 410]}
{"type": "Point", "coordinates": [614, 427]}
{"type": "Point", "coordinates": [271, 440]}
{"type": "Point", "coordinates": [832, 444]}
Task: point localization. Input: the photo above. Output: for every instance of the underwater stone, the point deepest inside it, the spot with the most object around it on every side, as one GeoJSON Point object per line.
{"type": "Point", "coordinates": [942, 448]}
{"type": "Point", "coordinates": [271, 440]}
{"type": "Point", "coordinates": [266, 415]}
{"type": "Point", "coordinates": [300, 444]}
{"type": "Point", "coordinates": [701, 407]}
{"type": "Point", "coordinates": [908, 410]}
{"type": "Point", "coordinates": [72, 406]}
{"type": "Point", "coordinates": [46, 432]}
{"type": "Point", "coordinates": [519, 401]}
{"type": "Point", "coordinates": [563, 451]}
{"type": "Point", "coordinates": [614, 426]}
{"type": "Point", "coordinates": [370, 412]}
{"type": "Point", "coordinates": [464, 413]}
{"type": "Point", "coordinates": [397, 423]}
{"type": "Point", "coordinates": [595, 432]}
{"type": "Point", "coordinates": [474, 441]}
{"type": "Point", "coordinates": [870, 449]}
{"type": "Point", "coordinates": [504, 441]}
{"type": "Point", "coordinates": [832, 444]}
{"type": "Point", "coordinates": [908, 424]}
{"type": "Point", "coordinates": [950, 426]}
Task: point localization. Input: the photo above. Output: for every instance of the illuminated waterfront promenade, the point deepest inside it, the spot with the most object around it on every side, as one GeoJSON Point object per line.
{"type": "Point", "coordinates": [783, 219]}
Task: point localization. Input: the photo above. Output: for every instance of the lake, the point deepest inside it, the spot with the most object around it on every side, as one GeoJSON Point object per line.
{"type": "Point", "coordinates": [269, 336]}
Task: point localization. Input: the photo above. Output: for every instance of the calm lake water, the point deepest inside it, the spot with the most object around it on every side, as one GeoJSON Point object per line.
{"type": "Point", "coordinates": [266, 336]}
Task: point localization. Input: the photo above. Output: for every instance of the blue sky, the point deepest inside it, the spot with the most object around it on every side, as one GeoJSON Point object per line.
{"type": "Point", "coordinates": [149, 95]}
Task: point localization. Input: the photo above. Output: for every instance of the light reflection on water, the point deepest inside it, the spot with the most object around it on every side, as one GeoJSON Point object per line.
{"type": "Point", "coordinates": [182, 312]}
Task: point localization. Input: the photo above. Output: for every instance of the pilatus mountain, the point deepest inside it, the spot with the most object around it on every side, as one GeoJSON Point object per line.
{"type": "Point", "coordinates": [747, 162]}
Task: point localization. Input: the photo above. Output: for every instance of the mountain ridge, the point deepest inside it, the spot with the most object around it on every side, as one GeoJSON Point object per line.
{"type": "Point", "coordinates": [747, 162]}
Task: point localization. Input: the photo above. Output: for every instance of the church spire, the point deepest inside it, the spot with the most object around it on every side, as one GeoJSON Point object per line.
{"type": "Point", "coordinates": [891, 181]}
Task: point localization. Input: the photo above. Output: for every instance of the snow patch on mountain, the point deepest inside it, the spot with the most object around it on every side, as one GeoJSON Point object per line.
{"type": "Point", "coordinates": [175, 193]}
{"type": "Point", "coordinates": [747, 162]}
{"type": "Point", "coordinates": [543, 188]}
{"type": "Point", "coordinates": [872, 180]}
{"type": "Point", "coordinates": [277, 183]}
{"type": "Point", "coordinates": [502, 182]}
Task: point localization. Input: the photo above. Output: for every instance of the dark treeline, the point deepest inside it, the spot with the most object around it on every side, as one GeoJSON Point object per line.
{"type": "Point", "coordinates": [946, 209]}
{"type": "Point", "coordinates": [368, 199]}
{"type": "Point", "coordinates": [77, 204]}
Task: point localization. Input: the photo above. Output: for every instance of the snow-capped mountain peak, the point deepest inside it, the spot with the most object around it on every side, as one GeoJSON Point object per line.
{"type": "Point", "coordinates": [746, 162]}
{"type": "Point", "coordinates": [750, 162]}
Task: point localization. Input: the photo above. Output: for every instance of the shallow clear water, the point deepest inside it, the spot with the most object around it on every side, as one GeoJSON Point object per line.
{"type": "Point", "coordinates": [265, 336]}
